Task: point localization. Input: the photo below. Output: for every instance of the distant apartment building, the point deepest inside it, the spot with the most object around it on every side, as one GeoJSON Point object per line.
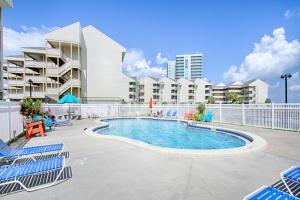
{"type": "Point", "coordinates": [187, 66]}
{"type": "Point", "coordinates": [184, 91]}
{"type": "Point", "coordinates": [171, 69]}
{"type": "Point", "coordinates": [82, 61]}
{"type": "Point", "coordinates": [256, 91]}
{"type": "Point", "coordinates": [3, 4]}
{"type": "Point", "coordinates": [168, 90]}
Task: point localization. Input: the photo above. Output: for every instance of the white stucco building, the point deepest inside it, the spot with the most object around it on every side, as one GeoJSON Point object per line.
{"type": "Point", "coordinates": [82, 61]}
{"type": "Point", "coordinates": [168, 90]}
{"type": "Point", "coordinates": [185, 91]}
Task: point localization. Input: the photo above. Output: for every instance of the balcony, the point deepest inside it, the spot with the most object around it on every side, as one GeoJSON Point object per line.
{"type": "Point", "coordinates": [52, 91]}
{"type": "Point", "coordinates": [15, 95]}
{"type": "Point", "coordinates": [16, 82]}
{"type": "Point", "coordinates": [36, 79]}
{"type": "Point", "coordinates": [35, 64]}
{"type": "Point", "coordinates": [35, 94]}
{"type": "Point", "coordinates": [52, 52]}
{"type": "Point", "coordinates": [15, 69]}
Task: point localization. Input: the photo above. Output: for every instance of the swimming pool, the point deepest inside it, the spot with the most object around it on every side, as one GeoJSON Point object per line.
{"type": "Point", "coordinates": [172, 134]}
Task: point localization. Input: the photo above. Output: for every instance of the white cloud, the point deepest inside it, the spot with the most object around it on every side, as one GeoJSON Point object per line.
{"type": "Point", "coordinates": [13, 40]}
{"type": "Point", "coordinates": [294, 82]}
{"type": "Point", "coordinates": [275, 85]}
{"type": "Point", "coordinates": [136, 65]}
{"type": "Point", "coordinates": [160, 60]}
{"type": "Point", "coordinates": [288, 14]}
{"type": "Point", "coordinates": [270, 57]}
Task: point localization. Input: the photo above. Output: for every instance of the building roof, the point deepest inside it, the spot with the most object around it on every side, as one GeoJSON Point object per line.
{"type": "Point", "coordinates": [235, 83]}
{"type": "Point", "coordinates": [35, 48]}
{"type": "Point", "coordinates": [69, 33]}
{"type": "Point", "coordinates": [220, 85]}
{"type": "Point", "coordinates": [94, 29]}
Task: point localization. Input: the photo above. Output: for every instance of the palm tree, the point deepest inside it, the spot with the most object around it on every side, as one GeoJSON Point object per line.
{"type": "Point", "coordinates": [244, 91]}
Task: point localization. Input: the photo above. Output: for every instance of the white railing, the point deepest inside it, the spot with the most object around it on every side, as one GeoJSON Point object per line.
{"type": "Point", "coordinates": [15, 82]}
{"type": "Point", "coordinates": [276, 116]}
{"type": "Point", "coordinates": [36, 79]}
{"type": "Point", "coordinates": [15, 96]}
{"type": "Point", "coordinates": [35, 94]}
{"type": "Point", "coordinates": [69, 83]}
{"type": "Point", "coordinates": [11, 122]}
{"type": "Point", "coordinates": [64, 68]}
{"type": "Point", "coordinates": [15, 69]}
{"type": "Point", "coordinates": [53, 52]}
{"type": "Point", "coordinates": [34, 63]}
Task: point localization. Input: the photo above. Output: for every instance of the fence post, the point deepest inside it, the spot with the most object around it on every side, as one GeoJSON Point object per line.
{"type": "Point", "coordinates": [272, 115]}
{"type": "Point", "coordinates": [220, 112]}
{"type": "Point", "coordinates": [243, 114]}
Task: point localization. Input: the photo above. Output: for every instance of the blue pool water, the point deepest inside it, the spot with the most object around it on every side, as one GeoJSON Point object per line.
{"type": "Point", "coordinates": [171, 134]}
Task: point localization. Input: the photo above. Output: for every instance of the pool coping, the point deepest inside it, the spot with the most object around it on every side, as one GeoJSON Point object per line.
{"type": "Point", "coordinates": [256, 144]}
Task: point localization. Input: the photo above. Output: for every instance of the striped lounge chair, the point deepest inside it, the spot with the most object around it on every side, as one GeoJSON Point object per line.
{"type": "Point", "coordinates": [8, 153]}
{"type": "Point", "coordinates": [292, 174]}
{"type": "Point", "coordinates": [268, 192]}
{"type": "Point", "coordinates": [9, 174]}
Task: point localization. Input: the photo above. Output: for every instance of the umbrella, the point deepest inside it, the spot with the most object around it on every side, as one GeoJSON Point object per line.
{"type": "Point", "coordinates": [68, 98]}
{"type": "Point", "coordinates": [150, 103]}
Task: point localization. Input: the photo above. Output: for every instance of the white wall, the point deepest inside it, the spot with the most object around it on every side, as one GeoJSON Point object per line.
{"type": "Point", "coordinates": [183, 90]}
{"type": "Point", "coordinates": [166, 90]}
{"type": "Point", "coordinates": [11, 122]}
{"type": "Point", "coordinates": [104, 78]}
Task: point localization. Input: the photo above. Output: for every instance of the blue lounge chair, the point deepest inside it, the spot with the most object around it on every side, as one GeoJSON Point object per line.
{"type": "Point", "coordinates": [293, 174]}
{"type": "Point", "coordinates": [268, 192]}
{"type": "Point", "coordinates": [168, 114]}
{"type": "Point", "coordinates": [207, 117]}
{"type": "Point", "coordinates": [174, 114]}
{"type": "Point", "coordinates": [8, 153]}
{"type": "Point", "coordinates": [9, 174]}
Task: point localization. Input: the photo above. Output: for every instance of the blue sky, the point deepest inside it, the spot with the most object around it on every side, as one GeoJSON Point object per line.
{"type": "Point", "coordinates": [224, 31]}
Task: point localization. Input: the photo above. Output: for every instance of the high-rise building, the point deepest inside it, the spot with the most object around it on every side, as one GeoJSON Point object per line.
{"type": "Point", "coordinates": [171, 69]}
{"type": "Point", "coordinates": [3, 4]}
{"type": "Point", "coordinates": [188, 66]}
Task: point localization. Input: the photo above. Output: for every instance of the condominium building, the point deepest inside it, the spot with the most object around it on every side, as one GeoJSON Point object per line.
{"type": "Point", "coordinates": [171, 70]}
{"type": "Point", "coordinates": [3, 4]}
{"type": "Point", "coordinates": [252, 91]}
{"type": "Point", "coordinates": [184, 91]}
{"type": "Point", "coordinates": [203, 90]}
{"type": "Point", "coordinates": [168, 90]}
{"type": "Point", "coordinates": [82, 61]}
{"type": "Point", "coordinates": [148, 88]}
{"type": "Point", "coordinates": [188, 66]}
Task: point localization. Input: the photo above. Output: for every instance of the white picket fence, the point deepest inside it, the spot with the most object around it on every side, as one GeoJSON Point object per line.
{"type": "Point", "coordinates": [11, 122]}
{"type": "Point", "coordinates": [276, 116]}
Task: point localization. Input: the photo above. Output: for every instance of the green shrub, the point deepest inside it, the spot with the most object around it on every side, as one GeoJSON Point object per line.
{"type": "Point", "coordinates": [201, 108]}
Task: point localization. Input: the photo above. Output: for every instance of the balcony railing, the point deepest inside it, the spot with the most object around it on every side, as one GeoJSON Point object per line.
{"type": "Point", "coordinates": [36, 79]}
{"type": "Point", "coordinates": [15, 69]}
{"type": "Point", "coordinates": [15, 95]}
{"type": "Point", "coordinates": [35, 94]}
{"type": "Point", "coordinates": [15, 82]}
{"type": "Point", "coordinates": [53, 52]}
{"type": "Point", "coordinates": [34, 63]}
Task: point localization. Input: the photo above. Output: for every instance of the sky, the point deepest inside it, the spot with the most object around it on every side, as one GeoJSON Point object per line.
{"type": "Point", "coordinates": [240, 40]}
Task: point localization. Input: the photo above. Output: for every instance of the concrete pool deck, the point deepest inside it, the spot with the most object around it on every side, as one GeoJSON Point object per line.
{"type": "Point", "coordinates": [110, 169]}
